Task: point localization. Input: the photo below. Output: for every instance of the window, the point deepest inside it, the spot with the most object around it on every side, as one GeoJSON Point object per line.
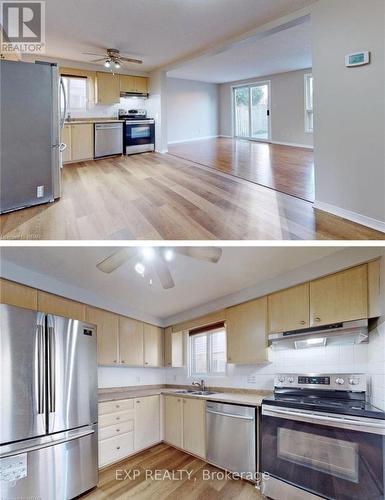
{"type": "Point", "coordinates": [76, 89]}
{"type": "Point", "coordinates": [207, 352]}
{"type": "Point", "coordinates": [309, 112]}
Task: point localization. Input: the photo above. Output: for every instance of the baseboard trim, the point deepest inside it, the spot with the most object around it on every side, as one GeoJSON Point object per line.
{"type": "Point", "coordinates": [227, 136]}
{"type": "Point", "coordinates": [292, 144]}
{"type": "Point", "coordinates": [195, 139]}
{"type": "Point", "coordinates": [352, 216]}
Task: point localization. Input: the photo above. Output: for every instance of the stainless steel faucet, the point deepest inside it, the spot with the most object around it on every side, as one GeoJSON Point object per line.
{"type": "Point", "coordinates": [200, 384]}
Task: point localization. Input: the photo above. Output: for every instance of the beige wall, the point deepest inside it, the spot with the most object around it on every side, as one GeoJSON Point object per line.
{"type": "Point", "coordinates": [287, 107]}
{"type": "Point", "coordinates": [349, 108]}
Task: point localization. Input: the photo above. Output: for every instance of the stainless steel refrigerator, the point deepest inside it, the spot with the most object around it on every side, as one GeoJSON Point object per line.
{"type": "Point", "coordinates": [49, 442]}
{"type": "Point", "coordinates": [30, 121]}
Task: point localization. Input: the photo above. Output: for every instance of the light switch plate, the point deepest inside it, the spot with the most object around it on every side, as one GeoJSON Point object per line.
{"type": "Point", "coordinates": [39, 191]}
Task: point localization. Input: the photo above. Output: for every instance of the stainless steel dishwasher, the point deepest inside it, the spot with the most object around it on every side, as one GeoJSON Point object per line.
{"type": "Point", "coordinates": [232, 435]}
{"type": "Point", "coordinates": [108, 139]}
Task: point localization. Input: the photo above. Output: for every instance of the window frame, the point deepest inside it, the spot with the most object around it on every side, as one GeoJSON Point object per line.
{"type": "Point", "coordinates": [209, 372]}
{"type": "Point", "coordinates": [70, 108]}
{"type": "Point", "coordinates": [309, 106]}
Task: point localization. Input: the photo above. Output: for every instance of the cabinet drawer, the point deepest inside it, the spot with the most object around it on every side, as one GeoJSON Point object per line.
{"type": "Point", "coordinates": [116, 418]}
{"type": "Point", "coordinates": [112, 406]}
{"type": "Point", "coordinates": [116, 448]}
{"type": "Point", "coordinates": [116, 430]}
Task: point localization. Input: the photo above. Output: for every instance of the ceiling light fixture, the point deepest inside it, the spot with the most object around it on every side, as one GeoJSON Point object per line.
{"type": "Point", "coordinates": [148, 253]}
{"type": "Point", "coordinates": [168, 254]}
{"type": "Point", "coordinates": [139, 268]}
{"type": "Point", "coordinates": [117, 65]}
{"type": "Point", "coordinates": [107, 64]}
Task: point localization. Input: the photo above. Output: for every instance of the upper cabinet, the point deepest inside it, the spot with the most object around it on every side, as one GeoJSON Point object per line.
{"type": "Point", "coordinates": [289, 309]}
{"type": "Point", "coordinates": [108, 88]}
{"type": "Point", "coordinates": [153, 345]}
{"type": "Point", "coordinates": [53, 304]}
{"type": "Point", "coordinates": [15, 294]}
{"type": "Point", "coordinates": [137, 84]}
{"type": "Point", "coordinates": [246, 326]}
{"type": "Point", "coordinates": [107, 334]}
{"type": "Point", "coordinates": [340, 297]}
{"type": "Point", "coordinates": [173, 348]}
{"type": "Point", "coordinates": [130, 341]}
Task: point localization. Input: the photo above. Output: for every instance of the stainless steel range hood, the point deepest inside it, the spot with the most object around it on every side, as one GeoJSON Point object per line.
{"type": "Point", "coordinates": [351, 332]}
{"type": "Point", "coordinates": [142, 95]}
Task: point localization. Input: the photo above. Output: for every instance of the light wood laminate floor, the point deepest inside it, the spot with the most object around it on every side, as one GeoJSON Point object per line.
{"type": "Point", "coordinates": [164, 458]}
{"type": "Point", "coordinates": [158, 196]}
{"type": "Point", "coordinates": [284, 168]}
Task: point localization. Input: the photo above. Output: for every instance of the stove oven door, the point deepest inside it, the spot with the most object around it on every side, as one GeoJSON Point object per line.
{"type": "Point", "coordinates": [331, 456]}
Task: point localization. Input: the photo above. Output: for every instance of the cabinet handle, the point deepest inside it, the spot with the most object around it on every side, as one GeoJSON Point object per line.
{"type": "Point", "coordinates": [146, 363]}
{"type": "Point", "coordinates": [115, 361]}
{"type": "Point", "coordinates": [137, 402]}
{"type": "Point", "coordinates": [117, 430]}
{"type": "Point", "coordinates": [118, 447]}
{"type": "Point", "coordinates": [178, 400]}
{"type": "Point", "coordinates": [117, 406]}
{"type": "Point", "coordinates": [317, 319]}
{"type": "Point", "coordinates": [123, 361]}
{"type": "Point", "coordinates": [303, 322]}
{"type": "Point", "coordinates": [117, 418]}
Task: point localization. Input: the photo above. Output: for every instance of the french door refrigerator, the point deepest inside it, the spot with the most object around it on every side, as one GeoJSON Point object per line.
{"type": "Point", "coordinates": [49, 442]}
{"type": "Point", "coordinates": [30, 121]}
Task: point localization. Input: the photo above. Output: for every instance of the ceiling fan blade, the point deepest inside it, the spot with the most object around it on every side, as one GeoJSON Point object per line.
{"type": "Point", "coordinates": [98, 60]}
{"type": "Point", "coordinates": [163, 273]}
{"type": "Point", "coordinates": [209, 254]}
{"type": "Point", "coordinates": [127, 59]}
{"type": "Point", "coordinates": [93, 54]}
{"type": "Point", "coordinates": [116, 259]}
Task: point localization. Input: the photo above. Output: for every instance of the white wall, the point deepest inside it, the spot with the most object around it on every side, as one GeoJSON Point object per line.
{"type": "Point", "coordinates": [157, 108]}
{"type": "Point", "coordinates": [287, 107]}
{"type": "Point", "coordinates": [192, 110]}
{"type": "Point", "coordinates": [349, 109]}
{"type": "Point", "coordinates": [124, 376]}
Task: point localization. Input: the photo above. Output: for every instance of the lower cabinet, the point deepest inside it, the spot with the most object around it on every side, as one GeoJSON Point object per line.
{"type": "Point", "coordinates": [79, 139]}
{"type": "Point", "coordinates": [185, 424]}
{"type": "Point", "coordinates": [127, 426]}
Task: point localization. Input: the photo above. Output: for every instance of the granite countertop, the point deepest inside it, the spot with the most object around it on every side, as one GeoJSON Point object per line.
{"type": "Point", "coordinates": [248, 398]}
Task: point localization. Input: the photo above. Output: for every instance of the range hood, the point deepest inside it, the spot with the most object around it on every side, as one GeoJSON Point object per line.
{"type": "Point", "coordinates": [142, 95]}
{"type": "Point", "coordinates": [351, 332]}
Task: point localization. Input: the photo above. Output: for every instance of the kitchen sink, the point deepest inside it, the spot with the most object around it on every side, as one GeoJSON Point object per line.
{"type": "Point", "coordinates": [196, 393]}
{"type": "Point", "coordinates": [184, 391]}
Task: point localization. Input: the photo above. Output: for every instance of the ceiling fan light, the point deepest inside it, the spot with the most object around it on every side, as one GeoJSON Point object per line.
{"type": "Point", "coordinates": [148, 253]}
{"type": "Point", "coordinates": [139, 268]}
{"type": "Point", "coordinates": [107, 63]}
{"type": "Point", "coordinates": [168, 254]}
{"type": "Point", "coordinates": [117, 65]}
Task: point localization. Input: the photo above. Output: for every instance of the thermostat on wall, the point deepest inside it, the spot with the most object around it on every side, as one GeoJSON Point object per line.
{"type": "Point", "coordinates": [357, 59]}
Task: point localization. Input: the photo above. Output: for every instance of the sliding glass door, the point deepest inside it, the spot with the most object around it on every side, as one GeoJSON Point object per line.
{"type": "Point", "coordinates": [252, 112]}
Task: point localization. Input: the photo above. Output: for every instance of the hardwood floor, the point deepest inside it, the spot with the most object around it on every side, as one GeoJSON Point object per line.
{"type": "Point", "coordinates": [189, 484]}
{"type": "Point", "coordinates": [284, 168]}
{"type": "Point", "coordinates": [158, 196]}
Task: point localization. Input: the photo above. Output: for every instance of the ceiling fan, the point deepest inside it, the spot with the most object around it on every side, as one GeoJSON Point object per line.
{"type": "Point", "coordinates": [112, 58]}
{"type": "Point", "coordinates": [157, 259]}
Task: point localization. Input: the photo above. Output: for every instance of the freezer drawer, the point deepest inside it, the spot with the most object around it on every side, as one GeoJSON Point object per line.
{"type": "Point", "coordinates": [231, 433]}
{"type": "Point", "coordinates": [55, 471]}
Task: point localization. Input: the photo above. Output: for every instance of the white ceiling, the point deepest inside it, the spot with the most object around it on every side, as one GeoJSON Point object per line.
{"type": "Point", "coordinates": [287, 50]}
{"type": "Point", "coordinates": [197, 282]}
{"type": "Point", "coordinates": [157, 31]}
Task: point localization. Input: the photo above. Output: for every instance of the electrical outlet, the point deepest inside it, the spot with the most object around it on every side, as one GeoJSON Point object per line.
{"type": "Point", "coordinates": [39, 191]}
{"type": "Point", "coordinates": [251, 379]}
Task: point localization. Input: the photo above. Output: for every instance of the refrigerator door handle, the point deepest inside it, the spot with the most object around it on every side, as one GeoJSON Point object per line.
{"type": "Point", "coordinates": [65, 103]}
{"type": "Point", "coordinates": [40, 368]}
{"type": "Point", "coordinates": [51, 369]}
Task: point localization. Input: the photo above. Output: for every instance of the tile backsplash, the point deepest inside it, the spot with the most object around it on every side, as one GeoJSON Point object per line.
{"type": "Point", "coordinates": [105, 111]}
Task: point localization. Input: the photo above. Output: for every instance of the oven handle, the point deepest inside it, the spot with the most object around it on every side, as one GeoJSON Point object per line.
{"type": "Point", "coordinates": [377, 428]}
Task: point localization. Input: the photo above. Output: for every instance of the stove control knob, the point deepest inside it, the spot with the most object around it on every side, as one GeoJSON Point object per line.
{"type": "Point", "coordinates": [281, 378]}
{"type": "Point", "coordinates": [290, 379]}
{"type": "Point", "coordinates": [354, 381]}
{"type": "Point", "coordinates": [340, 381]}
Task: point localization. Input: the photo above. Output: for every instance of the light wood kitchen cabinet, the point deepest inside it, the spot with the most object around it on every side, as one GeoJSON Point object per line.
{"type": "Point", "coordinates": [173, 420]}
{"type": "Point", "coordinates": [289, 309]}
{"type": "Point", "coordinates": [173, 348]}
{"type": "Point", "coordinates": [194, 426]}
{"type": "Point", "coordinates": [375, 305]}
{"type": "Point", "coordinates": [53, 304]}
{"type": "Point", "coordinates": [147, 422]}
{"type": "Point", "coordinates": [15, 294]}
{"type": "Point", "coordinates": [153, 345]}
{"type": "Point", "coordinates": [130, 341]}
{"type": "Point", "coordinates": [340, 297]}
{"type": "Point", "coordinates": [107, 334]}
{"type": "Point", "coordinates": [108, 88]}
{"type": "Point", "coordinates": [130, 83]}
{"type": "Point", "coordinates": [79, 139]}
{"type": "Point", "coordinates": [246, 326]}
{"type": "Point", "coordinates": [66, 139]}
{"type": "Point", "coordinates": [82, 141]}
